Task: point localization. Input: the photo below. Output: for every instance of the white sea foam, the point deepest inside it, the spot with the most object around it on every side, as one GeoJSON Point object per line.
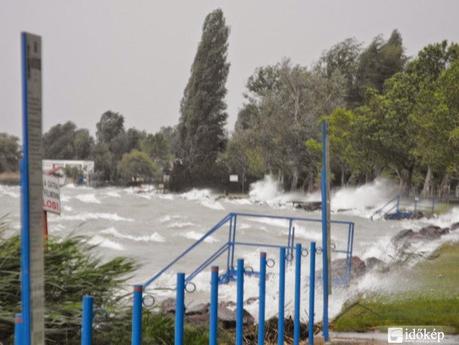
{"type": "Point", "coordinates": [154, 237]}
{"type": "Point", "coordinates": [269, 191]}
{"type": "Point", "coordinates": [113, 194]}
{"type": "Point", "coordinates": [88, 198]}
{"type": "Point", "coordinates": [106, 243]}
{"type": "Point", "coordinates": [84, 216]}
{"type": "Point", "coordinates": [165, 196]}
{"type": "Point", "coordinates": [180, 225]}
{"type": "Point", "coordinates": [11, 191]}
{"type": "Point", "coordinates": [212, 204]}
{"type": "Point", "coordinates": [195, 235]}
{"type": "Point", "coordinates": [363, 200]}
{"type": "Point", "coordinates": [197, 194]}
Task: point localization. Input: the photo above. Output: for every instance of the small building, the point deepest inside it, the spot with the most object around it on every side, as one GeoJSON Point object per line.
{"type": "Point", "coordinates": [70, 171]}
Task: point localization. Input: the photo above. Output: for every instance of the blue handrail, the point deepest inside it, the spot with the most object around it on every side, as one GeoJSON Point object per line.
{"type": "Point", "coordinates": [229, 246]}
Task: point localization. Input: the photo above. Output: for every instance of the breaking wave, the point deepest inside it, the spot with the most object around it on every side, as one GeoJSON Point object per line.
{"type": "Point", "coordinates": [84, 216]}
{"type": "Point", "coordinates": [195, 235]}
{"type": "Point", "coordinates": [154, 237]}
{"type": "Point", "coordinates": [88, 198]}
{"type": "Point", "coordinates": [11, 191]}
{"type": "Point", "coordinates": [104, 242]}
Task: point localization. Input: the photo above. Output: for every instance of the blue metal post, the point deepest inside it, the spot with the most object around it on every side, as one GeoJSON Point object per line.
{"type": "Point", "coordinates": [180, 309]}
{"type": "Point", "coordinates": [25, 221]}
{"type": "Point", "coordinates": [230, 236]}
{"type": "Point", "coordinates": [136, 336]}
{"type": "Point", "coordinates": [213, 322]}
{"type": "Point", "coordinates": [240, 302]}
{"type": "Point", "coordinates": [293, 240]}
{"type": "Point", "coordinates": [296, 321]}
{"type": "Point", "coordinates": [289, 240]}
{"type": "Point", "coordinates": [262, 296]}
{"type": "Point", "coordinates": [280, 324]}
{"type": "Point", "coordinates": [18, 330]}
{"type": "Point", "coordinates": [312, 283]}
{"type": "Point", "coordinates": [325, 235]}
{"type": "Point", "coordinates": [86, 322]}
{"type": "Point", "coordinates": [233, 239]}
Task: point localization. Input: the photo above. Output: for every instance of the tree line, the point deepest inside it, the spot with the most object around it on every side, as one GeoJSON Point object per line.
{"type": "Point", "coordinates": [389, 115]}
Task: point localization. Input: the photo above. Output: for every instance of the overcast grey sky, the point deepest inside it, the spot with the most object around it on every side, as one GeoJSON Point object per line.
{"type": "Point", "coordinates": [134, 56]}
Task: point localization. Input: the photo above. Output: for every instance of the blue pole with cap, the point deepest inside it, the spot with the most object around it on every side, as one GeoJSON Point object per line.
{"type": "Point", "coordinates": [261, 299]}
{"type": "Point", "coordinates": [240, 302]}
{"type": "Point", "coordinates": [312, 279]}
{"type": "Point", "coordinates": [213, 320]}
{"type": "Point", "coordinates": [280, 322]}
{"type": "Point", "coordinates": [136, 335]}
{"type": "Point", "coordinates": [18, 329]}
{"type": "Point", "coordinates": [86, 322]}
{"type": "Point", "coordinates": [296, 320]}
{"type": "Point", "coordinates": [180, 309]}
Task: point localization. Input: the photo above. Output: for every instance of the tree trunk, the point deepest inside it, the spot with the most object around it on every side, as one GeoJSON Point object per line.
{"type": "Point", "coordinates": [426, 189]}
{"type": "Point", "coordinates": [294, 182]}
{"type": "Point", "coordinates": [444, 187]}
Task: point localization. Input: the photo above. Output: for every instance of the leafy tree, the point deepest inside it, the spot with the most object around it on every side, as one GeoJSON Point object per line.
{"type": "Point", "coordinates": [134, 138]}
{"type": "Point", "coordinates": [110, 126]}
{"type": "Point", "coordinates": [65, 141]}
{"type": "Point", "coordinates": [136, 166]}
{"type": "Point", "coordinates": [58, 141]}
{"type": "Point", "coordinates": [158, 147]}
{"type": "Point", "coordinates": [83, 144]}
{"type": "Point", "coordinates": [343, 58]}
{"type": "Point", "coordinates": [111, 137]}
{"type": "Point", "coordinates": [284, 104]}
{"type": "Point", "coordinates": [244, 157]}
{"type": "Point", "coordinates": [378, 62]}
{"type": "Point", "coordinates": [103, 159]}
{"type": "Point", "coordinates": [201, 135]}
{"type": "Point", "coordinates": [9, 153]}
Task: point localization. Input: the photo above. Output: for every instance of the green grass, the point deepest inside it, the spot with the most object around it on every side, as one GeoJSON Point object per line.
{"type": "Point", "coordinates": [433, 302]}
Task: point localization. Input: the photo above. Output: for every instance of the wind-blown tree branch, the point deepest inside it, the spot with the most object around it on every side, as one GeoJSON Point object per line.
{"type": "Point", "coordinates": [284, 103]}
{"type": "Point", "coordinates": [71, 271]}
{"type": "Point", "coordinates": [201, 135]}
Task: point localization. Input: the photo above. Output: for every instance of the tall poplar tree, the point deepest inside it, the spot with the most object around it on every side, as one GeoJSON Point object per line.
{"type": "Point", "coordinates": [201, 134]}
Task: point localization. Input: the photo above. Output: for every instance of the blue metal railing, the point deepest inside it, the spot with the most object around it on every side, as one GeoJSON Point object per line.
{"type": "Point", "coordinates": [402, 208]}
{"type": "Point", "coordinates": [228, 248]}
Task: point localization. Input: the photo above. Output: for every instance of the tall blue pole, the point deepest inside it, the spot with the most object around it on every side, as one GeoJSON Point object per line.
{"type": "Point", "coordinates": [280, 322]}
{"type": "Point", "coordinates": [312, 283]}
{"type": "Point", "coordinates": [180, 309]}
{"type": "Point", "coordinates": [86, 322]}
{"type": "Point", "coordinates": [25, 195]}
{"type": "Point", "coordinates": [18, 330]}
{"type": "Point", "coordinates": [262, 296]}
{"type": "Point", "coordinates": [240, 302]}
{"type": "Point", "coordinates": [325, 228]}
{"type": "Point", "coordinates": [136, 336]}
{"type": "Point", "coordinates": [213, 320]}
{"type": "Point", "coordinates": [296, 320]}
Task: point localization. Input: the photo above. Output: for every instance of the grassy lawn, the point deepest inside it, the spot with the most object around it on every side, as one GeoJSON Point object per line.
{"type": "Point", "coordinates": [434, 301]}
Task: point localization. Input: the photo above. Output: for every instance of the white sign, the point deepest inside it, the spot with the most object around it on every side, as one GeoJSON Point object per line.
{"type": "Point", "coordinates": [234, 178]}
{"type": "Point", "coordinates": [51, 194]}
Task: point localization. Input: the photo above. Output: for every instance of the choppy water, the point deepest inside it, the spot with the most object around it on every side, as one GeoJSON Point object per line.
{"type": "Point", "coordinates": [154, 228]}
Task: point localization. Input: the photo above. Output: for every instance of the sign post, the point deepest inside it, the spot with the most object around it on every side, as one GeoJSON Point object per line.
{"type": "Point", "coordinates": [326, 248]}
{"type": "Point", "coordinates": [32, 250]}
